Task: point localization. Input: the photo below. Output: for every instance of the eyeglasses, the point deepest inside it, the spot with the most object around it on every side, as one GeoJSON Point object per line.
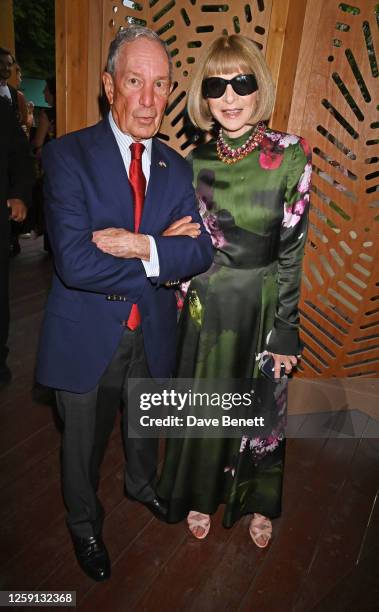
{"type": "Point", "coordinates": [243, 85]}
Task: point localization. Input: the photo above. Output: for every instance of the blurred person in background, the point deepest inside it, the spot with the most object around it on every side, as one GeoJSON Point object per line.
{"type": "Point", "coordinates": [16, 180]}
{"type": "Point", "coordinates": [15, 98]}
{"type": "Point", "coordinates": [44, 133]}
{"type": "Point", "coordinates": [17, 102]}
{"type": "Point", "coordinates": [26, 108]}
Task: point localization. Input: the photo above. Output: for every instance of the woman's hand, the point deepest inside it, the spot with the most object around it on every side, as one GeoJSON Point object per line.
{"type": "Point", "coordinates": [183, 227]}
{"type": "Point", "coordinates": [289, 362]}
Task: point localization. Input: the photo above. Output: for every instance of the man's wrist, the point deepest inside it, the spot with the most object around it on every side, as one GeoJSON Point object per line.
{"type": "Point", "coordinates": [141, 247]}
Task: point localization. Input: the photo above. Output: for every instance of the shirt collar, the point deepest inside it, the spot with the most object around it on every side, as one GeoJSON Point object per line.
{"type": "Point", "coordinates": [126, 139]}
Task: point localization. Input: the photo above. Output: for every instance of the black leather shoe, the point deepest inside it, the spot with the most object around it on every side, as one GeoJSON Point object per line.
{"type": "Point", "coordinates": [92, 557]}
{"type": "Point", "coordinates": [156, 506]}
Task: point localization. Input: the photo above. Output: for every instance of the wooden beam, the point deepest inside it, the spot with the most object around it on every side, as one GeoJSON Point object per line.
{"type": "Point", "coordinates": [6, 25]}
{"type": "Point", "coordinates": [78, 63]}
{"type": "Point", "coordinates": [95, 61]}
{"type": "Point", "coordinates": [7, 31]}
{"type": "Point", "coordinates": [304, 66]}
{"type": "Point", "coordinates": [60, 66]}
{"type": "Point", "coordinates": [286, 27]}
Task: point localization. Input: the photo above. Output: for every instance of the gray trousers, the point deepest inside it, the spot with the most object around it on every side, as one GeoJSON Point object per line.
{"type": "Point", "coordinates": [88, 422]}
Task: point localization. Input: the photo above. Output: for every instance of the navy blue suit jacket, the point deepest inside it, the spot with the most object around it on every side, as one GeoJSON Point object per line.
{"type": "Point", "coordinates": [87, 189]}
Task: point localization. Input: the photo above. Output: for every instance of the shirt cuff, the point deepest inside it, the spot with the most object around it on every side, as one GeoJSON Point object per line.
{"type": "Point", "coordinates": [152, 266]}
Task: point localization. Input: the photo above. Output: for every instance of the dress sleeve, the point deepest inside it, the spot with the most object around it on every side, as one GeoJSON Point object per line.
{"type": "Point", "coordinates": [284, 337]}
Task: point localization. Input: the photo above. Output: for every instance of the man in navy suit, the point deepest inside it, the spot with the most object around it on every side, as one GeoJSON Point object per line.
{"type": "Point", "coordinates": [111, 311]}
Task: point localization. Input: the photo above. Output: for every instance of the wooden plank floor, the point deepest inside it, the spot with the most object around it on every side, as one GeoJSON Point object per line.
{"type": "Point", "coordinates": [324, 554]}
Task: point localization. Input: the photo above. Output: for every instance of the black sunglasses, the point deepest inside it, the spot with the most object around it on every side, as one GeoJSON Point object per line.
{"type": "Point", "coordinates": [243, 85]}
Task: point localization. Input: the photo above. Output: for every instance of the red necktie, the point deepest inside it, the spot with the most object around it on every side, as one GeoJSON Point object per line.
{"type": "Point", "coordinates": [137, 182]}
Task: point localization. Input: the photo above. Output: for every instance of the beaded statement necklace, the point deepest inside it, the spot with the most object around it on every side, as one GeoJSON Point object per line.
{"type": "Point", "coordinates": [230, 156]}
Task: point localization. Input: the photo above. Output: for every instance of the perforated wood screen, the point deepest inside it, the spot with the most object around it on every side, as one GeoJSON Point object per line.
{"type": "Point", "coordinates": [187, 26]}
{"type": "Point", "coordinates": [340, 313]}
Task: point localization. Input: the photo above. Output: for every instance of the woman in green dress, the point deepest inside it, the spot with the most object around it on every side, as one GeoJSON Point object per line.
{"type": "Point", "coordinates": [253, 187]}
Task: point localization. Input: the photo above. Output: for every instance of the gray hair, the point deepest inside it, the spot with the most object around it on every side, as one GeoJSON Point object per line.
{"type": "Point", "coordinates": [128, 35]}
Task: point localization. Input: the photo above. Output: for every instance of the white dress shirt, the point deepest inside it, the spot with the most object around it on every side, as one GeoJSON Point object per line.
{"type": "Point", "coordinates": [124, 141]}
{"type": "Point", "coordinates": [5, 92]}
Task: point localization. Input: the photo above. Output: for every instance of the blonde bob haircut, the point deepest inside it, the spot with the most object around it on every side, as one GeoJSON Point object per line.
{"type": "Point", "coordinates": [228, 54]}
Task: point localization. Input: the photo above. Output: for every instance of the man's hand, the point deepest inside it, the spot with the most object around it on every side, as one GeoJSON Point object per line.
{"type": "Point", "coordinates": [183, 227]}
{"type": "Point", "coordinates": [18, 209]}
{"type": "Point", "coordinates": [121, 243]}
{"type": "Point", "coordinates": [289, 362]}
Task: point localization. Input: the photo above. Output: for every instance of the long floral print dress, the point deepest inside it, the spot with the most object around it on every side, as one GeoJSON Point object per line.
{"type": "Point", "coordinates": [256, 211]}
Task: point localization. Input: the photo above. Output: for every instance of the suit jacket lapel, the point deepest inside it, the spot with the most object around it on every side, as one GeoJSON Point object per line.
{"type": "Point", "coordinates": [109, 164]}
{"type": "Point", "coordinates": [154, 205]}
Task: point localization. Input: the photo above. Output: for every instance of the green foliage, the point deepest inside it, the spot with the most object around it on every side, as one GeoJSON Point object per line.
{"type": "Point", "coordinates": [35, 37]}
{"type": "Point", "coordinates": [347, 8]}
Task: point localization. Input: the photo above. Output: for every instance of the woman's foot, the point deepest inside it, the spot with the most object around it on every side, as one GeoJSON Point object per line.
{"type": "Point", "coordinates": [260, 530]}
{"type": "Point", "coordinates": [199, 524]}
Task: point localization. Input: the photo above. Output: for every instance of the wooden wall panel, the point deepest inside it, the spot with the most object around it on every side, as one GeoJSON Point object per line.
{"type": "Point", "coordinates": [304, 64]}
{"type": "Point", "coordinates": [95, 60]}
{"type": "Point", "coordinates": [78, 26]}
{"type": "Point", "coordinates": [6, 25]}
{"type": "Point", "coordinates": [335, 108]}
{"type": "Point", "coordinates": [7, 31]}
{"type": "Point", "coordinates": [60, 67]}
{"type": "Point", "coordinates": [284, 38]}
